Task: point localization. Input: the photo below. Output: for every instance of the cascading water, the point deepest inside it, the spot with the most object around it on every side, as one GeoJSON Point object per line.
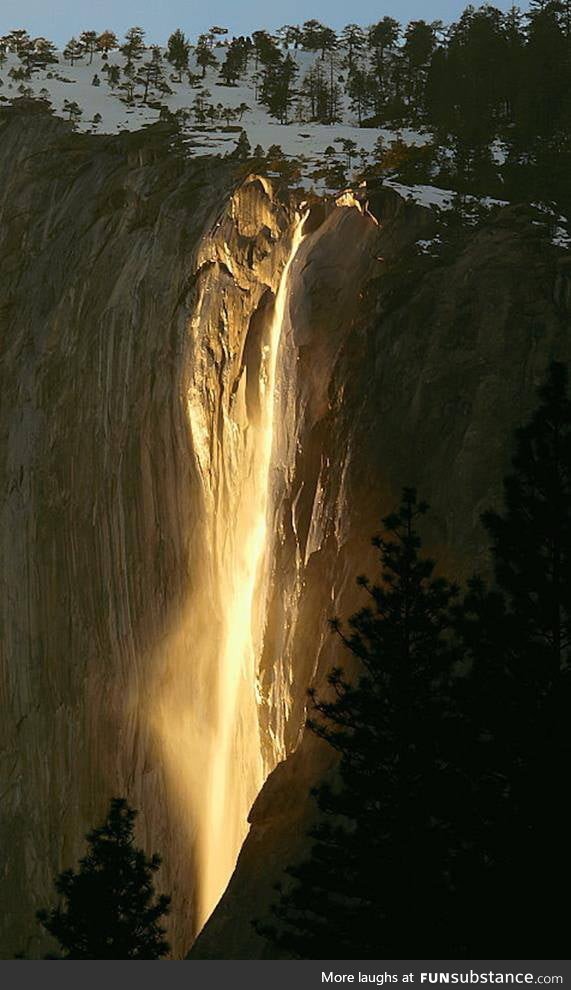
{"type": "Point", "coordinates": [236, 770]}
{"type": "Point", "coordinates": [208, 719]}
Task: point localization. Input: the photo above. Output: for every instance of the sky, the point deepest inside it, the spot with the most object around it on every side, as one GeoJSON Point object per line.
{"type": "Point", "coordinates": [60, 19]}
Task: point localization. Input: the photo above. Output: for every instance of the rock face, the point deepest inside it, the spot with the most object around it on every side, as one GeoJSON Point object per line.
{"type": "Point", "coordinates": [424, 386]}
{"type": "Point", "coordinates": [104, 250]}
{"type": "Point", "coordinates": [138, 299]}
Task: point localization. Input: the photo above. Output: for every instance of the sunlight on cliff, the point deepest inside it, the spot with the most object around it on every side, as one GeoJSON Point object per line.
{"type": "Point", "coordinates": [233, 783]}
{"type": "Point", "coordinates": [206, 710]}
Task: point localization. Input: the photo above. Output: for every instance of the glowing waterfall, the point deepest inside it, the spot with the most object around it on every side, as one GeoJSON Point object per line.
{"type": "Point", "coordinates": [234, 771]}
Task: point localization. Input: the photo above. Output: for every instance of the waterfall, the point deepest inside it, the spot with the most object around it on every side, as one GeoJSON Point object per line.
{"type": "Point", "coordinates": [236, 769]}
{"type": "Point", "coordinates": [206, 709]}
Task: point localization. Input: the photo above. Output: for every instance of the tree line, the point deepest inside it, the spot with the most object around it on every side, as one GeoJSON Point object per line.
{"type": "Point", "coordinates": [494, 88]}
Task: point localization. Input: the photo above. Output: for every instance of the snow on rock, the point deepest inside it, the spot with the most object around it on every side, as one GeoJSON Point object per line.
{"type": "Point", "coordinates": [441, 199]}
{"type": "Point", "coordinates": [558, 224]}
{"type": "Point", "coordinates": [561, 238]}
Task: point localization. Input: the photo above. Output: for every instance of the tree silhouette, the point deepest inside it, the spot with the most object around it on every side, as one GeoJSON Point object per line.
{"type": "Point", "coordinates": [109, 908]}
{"type": "Point", "coordinates": [532, 537]}
{"type": "Point", "coordinates": [377, 874]}
{"type": "Point", "coordinates": [516, 637]}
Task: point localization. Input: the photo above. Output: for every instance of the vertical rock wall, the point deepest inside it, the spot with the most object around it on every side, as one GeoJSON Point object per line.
{"type": "Point", "coordinates": [105, 247]}
{"type": "Point", "coordinates": [135, 298]}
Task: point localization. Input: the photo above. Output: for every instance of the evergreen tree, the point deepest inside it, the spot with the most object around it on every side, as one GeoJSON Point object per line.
{"type": "Point", "coordinates": [199, 105]}
{"type": "Point", "coordinates": [517, 636]}
{"type": "Point", "coordinates": [265, 48]}
{"type": "Point", "coordinates": [243, 149]}
{"type": "Point", "coordinates": [276, 91]}
{"type": "Point", "coordinates": [353, 40]}
{"type": "Point", "coordinates": [73, 110]}
{"type": "Point", "coordinates": [150, 75]}
{"type": "Point", "coordinates": [113, 74]}
{"type": "Point", "coordinates": [532, 536]}
{"type": "Point", "coordinates": [349, 148]}
{"type": "Point", "coordinates": [315, 93]}
{"type": "Point", "coordinates": [133, 46]}
{"type": "Point", "coordinates": [73, 51]}
{"type": "Point", "coordinates": [130, 79]}
{"type": "Point", "coordinates": [233, 64]}
{"type": "Point", "coordinates": [204, 55]}
{"type": "Point", "coordinates": [18, 41]}
{"type": "Point", "coordinates": [376, 882]}
{"type": "Point", "coordinates": [316, 37]}
{"type": "Point", "coordinates": [419, 45]}
{"type": "Point", "coordinates": [383, 37]}
{"type": "Point", "coordinates": [88, 39]}
{"type": "Point", "coordinates": [359, 88]}
{"type": "Point", "coordinates": [109, 908]}
{"type": "Point", "coordinates": [44, 53]}
{"type": "Point", "coordinates": [290, 34]}
{"type": "Point", "coordinates": [178, 51]}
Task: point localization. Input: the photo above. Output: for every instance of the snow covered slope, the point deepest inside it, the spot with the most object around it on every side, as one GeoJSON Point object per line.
{"type": "Point", "coordinates": [105, 110]}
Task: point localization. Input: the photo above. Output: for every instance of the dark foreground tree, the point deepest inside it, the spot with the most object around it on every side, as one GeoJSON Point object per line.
{"type": "Point", "coordinates": [108, 909]}
{"type": "Point", "coordinates": [376, 883]}
{"type": "Point", "coordinates": [517, 637]}
{"type": "Point", "coordinates": [532, 536]}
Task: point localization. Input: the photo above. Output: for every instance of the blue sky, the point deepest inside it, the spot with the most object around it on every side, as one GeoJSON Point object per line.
{"type": "Point", "coordinates": [59, 19]}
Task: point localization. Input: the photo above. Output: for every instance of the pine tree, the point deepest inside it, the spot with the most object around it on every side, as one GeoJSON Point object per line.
{"type": "Point", "coordinates": [113, 73]}
{"type": "Point", "coordinates": [316, 95]}
{"type": "Point", "coordinates": [73, 51]}
{"type": "Point", "coordinates": [349, 148]}
{"type": "Point", "coordinates": [276, 91]}
{"type": "Point", "coordinates": [232, 66]}
{"type": "Point", "coordinates": [204, 55]}
{"type": "Point", "coordinates": [315, 37]}
{"type": "Point", "coordinates": [353, 39]}
{"type": "Point", "coordinates": [383, 36]}
{"type": "Point", "coordinates": [109, 908]}
{"type": "Point", "coordinates": [150, 74]}
{"type": "Point", "coordinates": [18, 41]}
{"type": "Point", "coordinates": [44, 53]}
{"type": "Point", "coordinates": [88, 39]}
{"type": "Point", "coordinates": [532, 536]}
{"type": "Point", "coordinates": [178, 51]}
{"type": "Point", "coordinates": [290, 34]}
{"type": "Point", "coordinates": [130, 79]}
{"type": "Point", "coordinates": [73, 110]}
{"type": "Point", "coordinates": [359, 88]}
{"type": "Point", "coordinates": [419, 44]}
{"type": "Point", "coordinates": [517, 636]}
{"type": "Point", "coordinates": [376, 883]}
{"type": "Point", "coordinates": [243, 149]}
{"type": "Point", "coordinates": [133, 46]}
{"type": "Point", "coordinates": [265, 49]}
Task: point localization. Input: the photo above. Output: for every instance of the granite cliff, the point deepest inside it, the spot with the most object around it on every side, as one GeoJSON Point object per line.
{"type": "Point", "coordinates": [153, 310]}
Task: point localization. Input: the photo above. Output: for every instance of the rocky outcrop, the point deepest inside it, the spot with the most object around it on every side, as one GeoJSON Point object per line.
{"type": "Point", "coordinates": [136, 296]}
